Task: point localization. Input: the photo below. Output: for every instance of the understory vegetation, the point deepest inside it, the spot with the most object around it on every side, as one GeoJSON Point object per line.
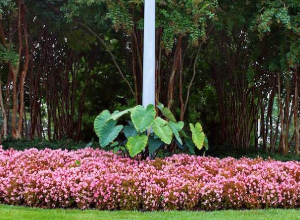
{"type": "Point", "coordinates": [148, 134]}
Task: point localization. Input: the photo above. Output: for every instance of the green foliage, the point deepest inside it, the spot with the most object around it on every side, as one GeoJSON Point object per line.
{"type": "Point", "coordinates": [137, 132]}
{"type": "Point", "coordinates": [162, 130]}
{"type": "Point", "coordinates": [100, 121]}
{"type": "Point", "coordinates": [118, 114]}
{"type": "Point", "coordinates": [166, 112]}
{"type": "Point", "coordinates": [198, 135]}
{"type": "Point", "coordinates": [109, 132]}
{"type": "Point", "coordinates": [186, 18]}
{"type": "Point", "coordinates": [65, 144]}
{"type": "Point", "coordinates": [8, 55]}
{"type": "Point", "coordinates": [84, 44]}
{"type": "Point", "coordinates": [223, 151]}
{"type": "Point", "coordinates": [282, 19]}
{"type": "Point", "coordinates": [176, 128]}
{"type": "Point", "coordinates": [129, 131]}
{"type": "Point", "coordinates": [136, 144]}
{"type": "Point", "coordinates": [77, 163]}
{"type": "Point", "coordinates": [190, 145]}
{"type": "Point", "coordinates": [154, 144]}
{"type": "Point", "coordinates": [142, 118]}
{"type": "Point", "coordinates": [6, 5]}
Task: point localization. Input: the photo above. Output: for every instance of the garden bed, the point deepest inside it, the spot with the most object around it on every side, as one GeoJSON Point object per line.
{"type": "Point", "coordinates": [91, 178]}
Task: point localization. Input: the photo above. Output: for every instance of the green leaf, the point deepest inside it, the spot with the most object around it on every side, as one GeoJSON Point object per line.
{"type": "Point", "coordinates": [89, 144]}
{"type": "Point", "coordinates": [109, 132]}
{"type": "Point", "coordinates": [166, 112]}
{"type": "Point", "coordinates": [162, 130]}
{"type": "Point", "coordinates": [197, 135]}
{"type": "Point", "coordinates": [129, 131]}
{"type": "Point", "coordinates": [117, 115]}
{"type": "Point", "coordinates": [179, 145]}
{"type": "Point", "coordinates": [143, 118]}
{"type": "Point", "coordinates": [183, 134]}
{"type": "Point", "coordinates": [176, 127]}
{"type": "Point", "coordinates": [100, 121]}
{"type": "Point", "coordinates": [190, 145]}
{"type": "Point", "coordinates": [154, 144]}
{"type": "Point", "coordinates": [116, 149]}
{"type": "Point", "coordinates": [114, 144]}
{"type": "Point", "coordinates": [205, 143]}
{"type": "Point", "coordinates": [77, 162]}
{"type": "Point", "coordinates": [136, 144]}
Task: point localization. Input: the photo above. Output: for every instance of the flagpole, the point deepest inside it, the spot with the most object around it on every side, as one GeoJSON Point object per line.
{"type": "Point", "coordinates": [149, 54]}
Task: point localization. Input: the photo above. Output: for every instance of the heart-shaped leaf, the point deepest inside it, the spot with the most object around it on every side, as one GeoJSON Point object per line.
{"type": "Point", "coordinates": [109, 132]}
{"type": "Point", "coordinates": [197, 135]}
{"type": "Point", "coordinates": [100, 120]}
{"type": "Point", "coordinates": [154, 144]}
{"type": "Point", "coordinates": [136, 144]}
{"type": "Point", "coordinates": [162, 130]}
{"type": "Point", "coordinates": [142, 118]}
{"type": "Point", "coordinates": [166, 112]}
{"type": "Point", "coordinates": [176, 127]}
{"type": "Point", "coordinates": [129, 131]}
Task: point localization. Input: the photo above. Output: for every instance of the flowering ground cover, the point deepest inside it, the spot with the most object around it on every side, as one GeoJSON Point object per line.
{"type": "Point", "coordinates": [22, 213]}
{"type": "Point", "coordinates": [89, 178]}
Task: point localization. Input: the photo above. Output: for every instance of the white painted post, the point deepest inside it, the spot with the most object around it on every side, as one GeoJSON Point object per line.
{"type": "Point", "coordinates": [149, 54]}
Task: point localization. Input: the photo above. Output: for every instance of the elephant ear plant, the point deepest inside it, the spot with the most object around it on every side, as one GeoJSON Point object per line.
{"type": "Point", "coordinates": [146, 131]}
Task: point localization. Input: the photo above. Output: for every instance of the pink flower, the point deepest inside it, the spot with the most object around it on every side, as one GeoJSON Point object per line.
{"type": "Point", "coordinates": [103, 180]}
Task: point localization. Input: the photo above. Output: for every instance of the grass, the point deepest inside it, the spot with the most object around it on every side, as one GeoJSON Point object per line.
{"type": "Point", "coordinates": [23, 213]}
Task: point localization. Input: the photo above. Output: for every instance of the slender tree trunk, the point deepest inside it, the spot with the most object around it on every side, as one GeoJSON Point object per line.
{"type": "Point", "coordinates": [296, 109]}
{"type": "Point", "coordinates": [22, 81]}
{"type": "Point", "coordinates": [177, 55]}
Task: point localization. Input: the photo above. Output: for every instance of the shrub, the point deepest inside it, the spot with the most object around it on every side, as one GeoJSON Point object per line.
{"type": "Point", "coordinates": [139, 139]}
{"type": "Point", "coordinates": [93, 178]}
{"type": "Point", "coordinates": [41, 144]}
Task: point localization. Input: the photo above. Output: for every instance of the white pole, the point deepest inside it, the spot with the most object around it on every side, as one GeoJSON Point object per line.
{"type": "Point", "coordinates": [149, 54]}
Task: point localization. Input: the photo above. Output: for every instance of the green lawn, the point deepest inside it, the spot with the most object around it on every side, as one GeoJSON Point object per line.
{"type": "Point", "coordinates": [21, 213]}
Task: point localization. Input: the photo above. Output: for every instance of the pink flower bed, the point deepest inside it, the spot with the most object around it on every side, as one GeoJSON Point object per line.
{"type": "Point", "coordinates": [90, 178]}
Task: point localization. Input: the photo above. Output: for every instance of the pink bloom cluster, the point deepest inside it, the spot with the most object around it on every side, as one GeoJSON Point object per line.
{"type": "Point", "coordinates": [90, 178]}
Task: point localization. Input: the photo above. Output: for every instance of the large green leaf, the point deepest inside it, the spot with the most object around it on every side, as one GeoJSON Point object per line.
{"type": "Point", "coordinates": [109, 132]}
{"type": "Point", "coordinates": [162, 130]}
{"type": "Point", "coordinates": [176, 127]}
{"type": "Point", "coordinates": [154, 144]}
{"type": "Point", "coordinates": [142, 118]}
{"type": "Point", "coordinates": [166, 112]}
{"type": "Point", "coordinates": [116, 115]}
{"type": "Point", "coordinates": [136, 144]}
{"type": "Point", "coordinates": [197, 135]}
{"type": "Point", "coordinates": [190, 145]}
{"type": "Point", "coordinates": [129, 131]}
{"type": "Point", "coordinates": [100, 120]}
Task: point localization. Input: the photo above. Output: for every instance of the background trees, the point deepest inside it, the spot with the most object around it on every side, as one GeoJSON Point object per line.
{"type": "Point", "coordinates": [233, 65]}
